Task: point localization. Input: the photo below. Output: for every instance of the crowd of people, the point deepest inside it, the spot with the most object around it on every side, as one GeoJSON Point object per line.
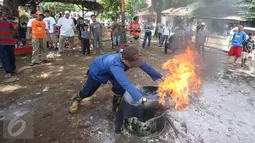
{"type": "Point", "coordinates": [49, 33]}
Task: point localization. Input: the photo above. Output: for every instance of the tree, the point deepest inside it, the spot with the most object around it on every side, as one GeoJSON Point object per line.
{"type": "Point", "coordinates": [60, 7]}
{"type": "Point", "coordinates": [111, 9]}
{"type": "Point", "coordinates": [251, 13]}
{"type": "Point", "coordinates": [11, 7]}
{"type": "Point", "coordinates": [23, 16]}
{"type": "Point", "coordinates": [157, 6]}
{"type": "Point", "coordinates": [132, 7]}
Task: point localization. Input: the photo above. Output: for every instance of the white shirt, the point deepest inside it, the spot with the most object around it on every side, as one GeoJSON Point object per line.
{"type": "Point", "coordinates": [67, 26]}
{"type": "Point", "coordinates": [160, 29]}
{"type": "Point", "coordinates": [29, 24]}
{"type": "Point", "coordinates": [50, 22]}
{"type": "Point", "coordinates": [166, 30]}
{"type": "Point", "coordinates": [201, 36]}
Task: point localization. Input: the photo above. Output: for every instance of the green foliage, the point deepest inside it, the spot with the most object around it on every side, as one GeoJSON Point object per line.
{"type": "Point", "coordinates": [251, 14]}
{"type": "Point", "coordinates": [112, 8]}
{"type": "Point", "coordinates": [23, 16]}
{"type": "Point", "coordinates": [60, 7]}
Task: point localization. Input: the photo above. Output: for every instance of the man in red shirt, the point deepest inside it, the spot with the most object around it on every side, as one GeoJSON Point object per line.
{"type": "Point", "coordinates": [7, 45]}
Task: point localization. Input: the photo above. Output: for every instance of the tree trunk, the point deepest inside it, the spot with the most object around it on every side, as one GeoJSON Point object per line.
{"type": "Point", "coordinates": [157, 6]}
{"type": "Point", "coordinates": [11, 8]}
{"type": "Point", "coordinates": [34, 6]}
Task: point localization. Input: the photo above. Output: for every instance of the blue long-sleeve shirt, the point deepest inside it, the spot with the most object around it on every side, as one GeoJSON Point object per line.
{"type": "Point", "coordinates": [110, 65]}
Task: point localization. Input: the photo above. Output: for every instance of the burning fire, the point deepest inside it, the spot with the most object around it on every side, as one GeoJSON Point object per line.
{"type": "Point", "coordinates": [181, 80]}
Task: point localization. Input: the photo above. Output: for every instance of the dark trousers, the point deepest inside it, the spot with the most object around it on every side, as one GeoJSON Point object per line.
{"type": "Point", "coordinates": [8, 58]}
{"type": "Point", "coordinates": [159, 37]}
{"type": "Point", "coordinates": [147, 36]}
{"type": "Point", "coordinates": [85, 46]}
{"type": "Point", "coordinates": [201, 47]}
{"type": "Point", "coordinates": [91, 86]}
{"type": "Point", "coordinates": [112, 42]}
{"type": "Point", "coordinates": [164, 39]}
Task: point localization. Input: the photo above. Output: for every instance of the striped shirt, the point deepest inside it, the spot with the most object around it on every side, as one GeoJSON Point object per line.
{"type": "Point", "coordinates": [6, 32]}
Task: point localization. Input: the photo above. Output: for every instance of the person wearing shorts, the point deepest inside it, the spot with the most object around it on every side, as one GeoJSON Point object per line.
{"type": "Point", "coordinates": [237, 44]}
{"type": "Point", "coordinates": [248, 47]}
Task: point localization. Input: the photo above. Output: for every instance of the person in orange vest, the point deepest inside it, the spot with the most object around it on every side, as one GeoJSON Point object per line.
{"type": "Point", "coordinates": [135, 32]}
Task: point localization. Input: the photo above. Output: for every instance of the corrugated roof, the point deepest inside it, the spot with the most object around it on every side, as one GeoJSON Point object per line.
{"type": "Point", "coordinates": [147, 12]}
{"type": "Point", "coordinates": [181, 11]}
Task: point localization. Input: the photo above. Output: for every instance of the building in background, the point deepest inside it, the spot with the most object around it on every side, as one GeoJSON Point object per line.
{"type": "Point", "coordinates": [176, 16]}
{"type": "Point", "coordinates": [148, 16]}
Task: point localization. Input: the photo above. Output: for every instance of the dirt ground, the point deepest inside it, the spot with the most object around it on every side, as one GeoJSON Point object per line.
{"type": "Point", "coordinates": [223, 112]}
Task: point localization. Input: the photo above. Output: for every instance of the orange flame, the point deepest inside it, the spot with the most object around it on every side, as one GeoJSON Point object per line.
{"type": "Point", "coordinates": [181, 80]}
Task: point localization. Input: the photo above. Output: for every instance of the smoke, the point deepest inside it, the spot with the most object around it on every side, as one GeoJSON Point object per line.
{"type": "Point", "coordinates": [218, 8]}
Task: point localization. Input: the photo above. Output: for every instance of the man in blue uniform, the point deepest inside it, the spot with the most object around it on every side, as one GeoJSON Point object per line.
{"type": "Point", "coordinates": [112, 67]}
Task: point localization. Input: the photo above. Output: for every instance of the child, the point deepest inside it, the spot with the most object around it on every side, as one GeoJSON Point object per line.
{"type": "Point", "coordinates": [116, 35]}
{"type": "Point", "coordinates": [248, 46]}
{"type": "Point", "coordinates": [80, 28]}
{"type": "Point", "coordinates": [85, 35]}
{"type": "Point", "coordinates": [22, 33]}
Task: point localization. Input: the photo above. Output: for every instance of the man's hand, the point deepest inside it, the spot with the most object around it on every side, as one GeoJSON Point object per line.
{"type": "Point", "coordinates": [160, 80]}
{"type": "Point", "coordinates": [29, 37]}
{"type": "Point", "coordinates": [50, 40]}
{"type": "Point", "coordinates": [143, 100]}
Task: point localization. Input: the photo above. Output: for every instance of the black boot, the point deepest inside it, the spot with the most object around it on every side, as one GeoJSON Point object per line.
{"type": "Point", "coordinates": [116, 102]}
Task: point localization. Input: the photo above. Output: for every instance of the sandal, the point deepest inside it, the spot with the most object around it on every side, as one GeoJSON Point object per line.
{"type": "Point", "coordinates": [46, 61]}
{"type": "Point", "coordinates": [8, 75]}
{"type": "Point", "coordinates": [15, 72]}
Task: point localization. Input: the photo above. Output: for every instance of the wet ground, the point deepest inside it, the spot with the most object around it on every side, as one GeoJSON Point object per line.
{"type": "Point", "coordinates": [223, 112]}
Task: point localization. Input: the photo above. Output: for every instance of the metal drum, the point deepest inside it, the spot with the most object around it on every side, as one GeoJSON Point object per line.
{"type": "Point", "coordinates": [150, 119]}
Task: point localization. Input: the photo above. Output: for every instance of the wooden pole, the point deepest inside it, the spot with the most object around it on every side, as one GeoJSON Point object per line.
{"type": "Point", "coordinates": [123, 38]}
{"type": "Point", "coordinates": [55, 9]}
{"type": "Point", "coordinates": [83, 14]}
